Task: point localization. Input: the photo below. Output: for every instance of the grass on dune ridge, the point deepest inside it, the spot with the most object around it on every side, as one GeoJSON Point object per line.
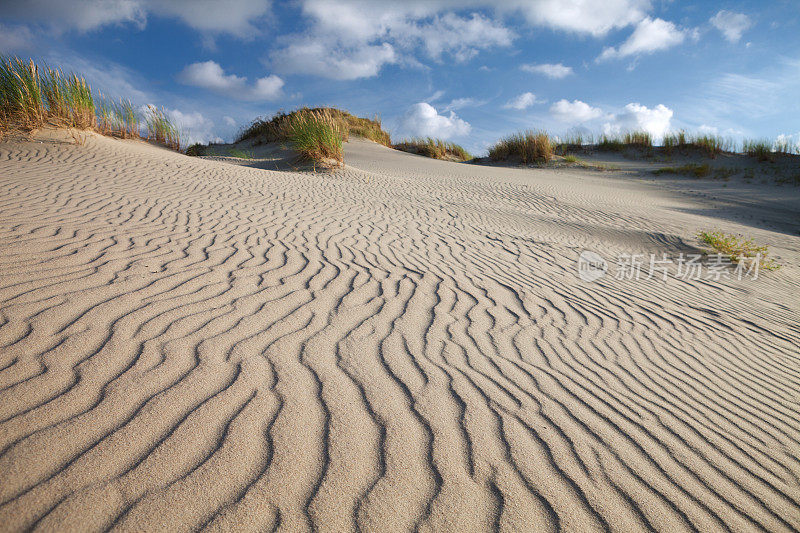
{"type": "Point", "coordinates": [434, 148]}
{"type": "Point", "coordinates": [317, 133]}
{"type": "Point", "coordinates": [35, 95]}
{"type": "Point", "coordinates": [529, 146]}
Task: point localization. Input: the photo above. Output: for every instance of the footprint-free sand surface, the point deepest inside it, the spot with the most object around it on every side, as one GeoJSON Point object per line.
{"type": "Point", "coordinates": [402, 344]}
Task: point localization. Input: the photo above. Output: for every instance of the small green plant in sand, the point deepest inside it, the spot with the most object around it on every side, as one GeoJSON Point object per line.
{"type": "Point", "coordinates": [738, 249]}
{"type": "Point", "coordinates": [241, 154]}
{"type": "Point", "coordinates": [571, 159]}
{"type": "Point", "coordinates": [434, 148]}
{"type": "Point", "coordinates": [529, 146]}
{"type": "Point", "coordinates": [690, 169]}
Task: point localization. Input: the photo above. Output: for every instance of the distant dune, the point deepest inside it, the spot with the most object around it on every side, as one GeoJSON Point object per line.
{"type": "Point", "coordinates": [401, 344]}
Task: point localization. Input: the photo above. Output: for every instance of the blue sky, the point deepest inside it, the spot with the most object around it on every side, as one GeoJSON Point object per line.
{"type": "Point", "coordinates": [462, 70]}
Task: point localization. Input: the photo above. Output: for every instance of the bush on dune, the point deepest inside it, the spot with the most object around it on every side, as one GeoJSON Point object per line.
{"type": "Point", "coordinates": [434, 148]}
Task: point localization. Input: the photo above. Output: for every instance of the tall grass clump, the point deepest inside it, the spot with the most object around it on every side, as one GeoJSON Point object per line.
{"type": "Point", "coordinates": [610, 143]}
{"type": "Point", "coordinates": [161, 129]}
{"type": "Point", "coordinates": [529, 146]}
{"type": "Point", "coordinates": [571, 143]}
{"type": "Point", "coordinates": [434, 148]}
{"type": "Point", "coordinates": [32, 96]}
{"type": "Point", "coordinates": [761, 149]}
{"type": "Point", "coordinates": [640, 139]}
{"type": "Point", "coordinates": [316, 135]}
{"type": "Point", "coordinates": [118, 118]}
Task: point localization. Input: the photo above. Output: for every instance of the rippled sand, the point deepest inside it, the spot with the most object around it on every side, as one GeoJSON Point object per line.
{"type": "Point", "coordinates": [401, 345]}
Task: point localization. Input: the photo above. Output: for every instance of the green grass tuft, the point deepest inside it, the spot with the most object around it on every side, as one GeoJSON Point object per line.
{"type": "Point", "coordinates": [161, 129]}
{"type": "Point", "coordinates": [435, 148]}
{"type": "Point", "coordinates": [316, 135]}
{"type": "Point", "coordinates": [530, 146]}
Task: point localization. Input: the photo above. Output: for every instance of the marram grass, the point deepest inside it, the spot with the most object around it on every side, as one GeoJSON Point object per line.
{"type": "Point", "coordinates": [529, 146]}
{"type": "Point", "coordinates": [35, 95]}
{"type": "Point", "coordinates": [434, 148]}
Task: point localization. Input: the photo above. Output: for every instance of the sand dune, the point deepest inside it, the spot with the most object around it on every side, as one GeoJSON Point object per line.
{"type": "Point", "coordinates": [403, 344]}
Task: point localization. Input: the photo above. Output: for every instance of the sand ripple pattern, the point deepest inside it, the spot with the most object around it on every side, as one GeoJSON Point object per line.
{"type": "Point", "coordinates": [190, 345]}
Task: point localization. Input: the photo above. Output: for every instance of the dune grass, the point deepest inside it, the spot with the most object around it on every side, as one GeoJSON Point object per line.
{"type": "Point", "coordinates": [278, 127]}
{"type": "Point", "coordinates": [434, 148]}
{"type": "Point", "coordinates": [529, 146]}
{"type": "Point", "coordinates": [709, 145]}
{"type": "Point", "coordinates": [117, 118]}
{"type": "Point", "coordinates": [316, 135]}
{"type": "Point", "coordinates": [738, 249]}
{"type": "Point", "coordinates": [34, 95]}
{"type": "Point", "coordinates": [161, 129]}
{"type": "Point", "coordinates": [690, 169]}
{"type": "Point", "coordinates": [761, 149]}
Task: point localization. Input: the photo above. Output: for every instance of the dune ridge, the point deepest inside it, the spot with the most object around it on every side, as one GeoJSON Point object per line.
{"type": "Point", "coordinates": [400, 345]}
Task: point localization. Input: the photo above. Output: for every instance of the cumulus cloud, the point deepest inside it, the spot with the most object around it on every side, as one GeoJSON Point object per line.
{"type": "Point", "coordinates": [581, 16]}
{"type": "Point", "coordinates": [423, 120]}
{"type": "Point", "coordinates": [575, 112]}
{"type": "Point", "coordinates": [209, 75]}
{"type": "Point", "coordinates": [649, 36]}
{"type": "Point", "coordinates": [193, 126]}
{"type": "Point", "coordinates": [732, 25]}
{"type": "Point", "coordinates": [523, 101]}
{"type": "Point", "coordinates": [232, 16]}
{"type": "Point", "coordinates": [352, 39]}
{"type": "Point", "coordinates": [553, 71]}
{"type": "Point", "coordinates": [635, 117]}
{"type": "Point", "coordinates": [317, 57]}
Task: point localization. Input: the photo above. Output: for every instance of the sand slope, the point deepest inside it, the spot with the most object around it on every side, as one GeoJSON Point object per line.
{"type": "Point", "coordinates": [401, 345]}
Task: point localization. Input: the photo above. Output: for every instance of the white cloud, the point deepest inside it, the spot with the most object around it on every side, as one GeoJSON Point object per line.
{"type": "Point", "coordinates": [649, 36]}
{"type": "Point", "coordinates": [732, 25]}
{"type": "Point", "coordinates": [581, 16]}
{"type": "Point", "coordinates": [460, 103]}
{"type": "Point", "coordinates": [637, 117]}
{"type": "Point", "coordinates": [553, 71]}
{"type": "Point", "coordinates": [708, 130]}
{"type": "Point", "coordinates": [230, 121]}
{"type": "Point", "coordinates": [326, 60]}
{"type": "Point", "coordinates": [15, 38]}
{"type": "Point", "coordinates": [423, 120]}
{"type": "Point", "coordinates": [193, 127]}
{"type": "Point", "coordinates": [523, 101]}
{"type": "Point", "coordinates": [351, 39]}
{"type": "Point", "coordinates": [209, 75]}
{"type": "Point", "coordinates": [232, 16]}
{"type": "Point", "coordinates": [574, 112]}
{"type": "Point", "coordinates": [461, 37]}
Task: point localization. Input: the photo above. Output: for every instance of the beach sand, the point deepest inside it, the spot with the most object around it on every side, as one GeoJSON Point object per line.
{"type": "Point", "coordinates": [400, 344]}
